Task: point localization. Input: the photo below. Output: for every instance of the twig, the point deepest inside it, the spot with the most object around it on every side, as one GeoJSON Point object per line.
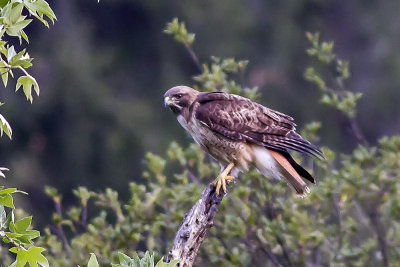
{"type": "Point", "coordinates": [63, 237]}
{"type": "Point", "coordinates": [60, 230]}
{"type": "Point", "coordinates": [270, 216]}
{"type": "Point", "coordinates": [195, 226]}
{"type": "Point", "coordinates": [339, 238]}
{"type": "Point", "coordinates": [356, 129]}
{"type": "Point", "coordinates": [194, 57]}
{"type": "Point", "coordinates": [357, 132]}
{"type": "Point", "coordinates": [192, 177]}
{"type": "Point", "coordinates": [264, 247]}
{"type": "Point", "coordinates": [286, 256]}
{"type": "Point", "coordinates": [317, 256]}
{"type": "Point", "coordinates": [84, 216]}
{"type": "Point", "coordinates": [376, 228]}
{"type": "Point", "coordinates": [374, 216]}
{"type": "Point", "coordinates": [270, 255]}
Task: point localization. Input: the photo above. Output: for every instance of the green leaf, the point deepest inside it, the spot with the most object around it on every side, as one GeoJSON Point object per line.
{"type": "Point", "coordinates": [23, 224]}
{"type": "Point", "coordinates": [16, 29]}
{"type": "Point", "coordinates": [7, 201]}
{"type": "Point", "coordinates": [155, 163]}
{"type": "Point", "coordinates": [125, 260]}
{"type": "Point", "coordinates": [39, 9]}
{"type": "Point", "coordinates": [23, 34]}
{"type": "Point", "coordinates": [146, 261]}
{"type": "Point", "coordinates": [20, 231]}
{"type": "Point", "coordinates": [33, 256]}
{"type": "Point", "coordinates": [178, 30]}
{"type": "Point", "coordinates": [3, 3]}
{"type": "Point", "coordinates": [11, 53]}
{"type": "Point", "coordinates": [22, 59]}
{"type": "Point", "coordinates": [27, 82]}
{"type": "Point", "coordinates": [161, 263]}
{"type": "Point", "coordinates": [4, 72]}
{"type": "Point", "coordinates": [19, 26]}
{"type": "Point", "coordinates": [14, 250]}
{"type": "Point", "coordinates": [93, 261]}
{"type": "Point", "coordinates": [15, 14]}
{"type": "Point", "coordinates": [83, 194]}
{"type": "Point", "coordinates": [6, 128]}
{"type": "Point", "coordinates": [7, 191]}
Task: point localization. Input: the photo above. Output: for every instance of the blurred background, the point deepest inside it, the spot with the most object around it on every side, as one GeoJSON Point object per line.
{"type": "Point", "coordinates": [103, 69]}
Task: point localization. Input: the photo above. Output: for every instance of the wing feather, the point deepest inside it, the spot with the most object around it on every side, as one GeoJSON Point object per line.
{"type": "Point", "coordinates": [241, 119]}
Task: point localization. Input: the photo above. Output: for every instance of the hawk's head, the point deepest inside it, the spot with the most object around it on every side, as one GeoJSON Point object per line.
{"type": "Point", "coordinates": [179, 98]}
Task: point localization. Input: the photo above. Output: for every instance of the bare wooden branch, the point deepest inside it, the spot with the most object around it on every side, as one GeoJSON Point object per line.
{"type": "Point", "coordinates": [195, 226]}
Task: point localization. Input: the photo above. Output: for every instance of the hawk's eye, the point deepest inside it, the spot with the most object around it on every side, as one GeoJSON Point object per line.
{"type": "Point", "coordinates": [178, 96]}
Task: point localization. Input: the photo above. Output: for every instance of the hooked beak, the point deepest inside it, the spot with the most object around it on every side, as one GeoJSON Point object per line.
{"type": "Point", "coordinates": [167, 101]}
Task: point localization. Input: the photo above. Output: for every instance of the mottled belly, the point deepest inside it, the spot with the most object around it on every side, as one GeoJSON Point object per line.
{"type": "Point", "coordinates": [221, 148]}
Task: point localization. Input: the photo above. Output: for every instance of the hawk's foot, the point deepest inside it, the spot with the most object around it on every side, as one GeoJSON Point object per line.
{"type": "Point", "coordinates": [222, 178]}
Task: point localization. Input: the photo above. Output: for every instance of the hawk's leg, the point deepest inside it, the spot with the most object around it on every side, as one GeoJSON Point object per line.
{"type": "Point", "coordinates": [222, 177]}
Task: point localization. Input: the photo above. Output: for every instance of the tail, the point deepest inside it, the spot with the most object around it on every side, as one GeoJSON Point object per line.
{"type": "Point", "coordinates": [277, 164]}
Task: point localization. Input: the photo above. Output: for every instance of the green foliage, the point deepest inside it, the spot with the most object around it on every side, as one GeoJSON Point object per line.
{"type": "Point", "coordinates": [12, 24]}
{"type": "Point", "coordinates": [351, 218]}
{"type": "Point", "coordinates": [5, 127]}
{"type": "Point", "coordinates": [333, 68]}
{"type": "Point", "coordinates": [27, 82]}
{"type": "Point", "coordinates": [16, 234]}
{"type": "Point", "coordinates": [178, 30]}
{"type": "Point", "coordinates": [225, 75]}
{"type": "Point", "coordinates": [33, 256]}
{"type": "Point", "coordinates": [93, 261]}
{"type": "Point", "coordinates": [329, 67]}
{"type": "Point", "coordinates": [117, 227]}
{"type": "Point", "coordinates": [20, 233]}
{"type": "Point", "coordinates": [6, 198]}
{"type": "Point", "coordinates": [146, 261]}
{"type": "Point", "coordinates": [260, 220]}
{"type": "Point", "coordinates": [126, 261]}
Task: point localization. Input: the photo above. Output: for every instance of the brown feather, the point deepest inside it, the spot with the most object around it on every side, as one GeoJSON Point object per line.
{"type": "Point", "coordinates": [300, 170]}
{"type": "Point", "coordinates": [293, 178]}
{"type": "Point", "coordinates": [241, 119]}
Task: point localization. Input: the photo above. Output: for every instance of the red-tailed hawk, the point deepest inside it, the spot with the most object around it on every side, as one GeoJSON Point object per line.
{"type": "Point", "coordinates": [240, 134]}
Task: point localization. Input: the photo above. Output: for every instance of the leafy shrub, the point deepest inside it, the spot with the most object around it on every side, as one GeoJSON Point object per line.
{"type": "Point", "coordinates": [16, 233]}
{"type": "Point", "coordinates": [351, 218]}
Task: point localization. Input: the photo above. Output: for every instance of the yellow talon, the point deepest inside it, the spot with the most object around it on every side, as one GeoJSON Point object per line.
{"type": "Point", "coordinates": [230, 178]}
{"type": "Point", "coordinates": [222, 177]}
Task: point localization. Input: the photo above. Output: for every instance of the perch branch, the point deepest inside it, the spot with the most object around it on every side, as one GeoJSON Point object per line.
{"type": "Point", "coordinates": [195, 226]}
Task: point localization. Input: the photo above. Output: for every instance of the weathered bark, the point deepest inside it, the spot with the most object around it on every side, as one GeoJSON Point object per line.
{"type": "Point", "coordinates": [195, 226]}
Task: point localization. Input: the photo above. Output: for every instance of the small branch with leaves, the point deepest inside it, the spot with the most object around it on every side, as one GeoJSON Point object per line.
{"type": "Point", "coordinates": [15, 15]}
{"type": "Point", "coordinates": [178, 30]}
{"type": "Point", "coordinates": [333, 94]}
{"type": "Point", "coordinates": [12, 24]}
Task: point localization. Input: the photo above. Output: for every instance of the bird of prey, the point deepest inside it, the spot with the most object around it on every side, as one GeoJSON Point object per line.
{"type": "Point", "coordinates": [240, 134]}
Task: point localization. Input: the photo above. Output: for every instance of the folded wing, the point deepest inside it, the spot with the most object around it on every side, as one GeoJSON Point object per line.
{"type": "Point", "coordinates": [241, 119]}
